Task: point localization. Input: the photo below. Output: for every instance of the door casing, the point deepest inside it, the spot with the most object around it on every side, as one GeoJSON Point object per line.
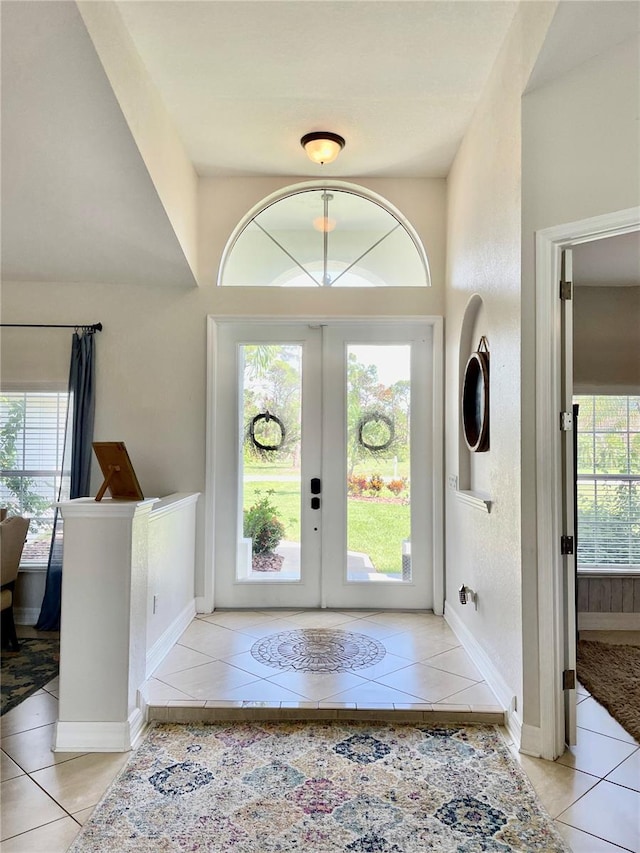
{"type": "Point", "coordinates": [553, 621]}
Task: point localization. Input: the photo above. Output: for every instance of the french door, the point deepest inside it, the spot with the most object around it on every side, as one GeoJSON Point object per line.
{"type": "Point", "coordinates": [323, 465]}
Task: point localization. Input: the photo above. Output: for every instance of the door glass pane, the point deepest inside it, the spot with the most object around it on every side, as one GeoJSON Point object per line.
{"type": "Point", "coordinates": [378, 463]}
{"type": "Point", "coordinates": [270, 411]}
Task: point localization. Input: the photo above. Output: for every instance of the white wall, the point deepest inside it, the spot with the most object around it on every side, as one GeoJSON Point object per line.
{"type": "Point", "coordinates": [172, 172]}
{"type": "Point", "coordinates": [606, 340]}
{"type": "Point", "coordinates": [483, 256]}
{"type": "Point", "coordinates": [151, 354]}
{"type": "Point", "coordinates": [580, 143]}
{"type": "Point", "coordinates": [170, 578]}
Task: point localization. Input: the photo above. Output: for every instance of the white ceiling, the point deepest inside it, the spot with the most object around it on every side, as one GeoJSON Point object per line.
{"type": "Point", "coordinates": [582, 30]}
{"type": "Point", "coordinates": [242, 80]}
{"type": "Point", "coordinates": [612, 262]}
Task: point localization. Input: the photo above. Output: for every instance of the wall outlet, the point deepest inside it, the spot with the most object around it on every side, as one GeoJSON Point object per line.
{"type": "Point", "coordinates": [453, 481]}
{"type": "Point", "coordinates": [155, 603]}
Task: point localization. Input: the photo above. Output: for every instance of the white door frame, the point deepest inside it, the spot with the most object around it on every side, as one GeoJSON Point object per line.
{"type": "Point", "coordinates": [550, 243]}
{"type": "Point", "coordinates": [206, 602]}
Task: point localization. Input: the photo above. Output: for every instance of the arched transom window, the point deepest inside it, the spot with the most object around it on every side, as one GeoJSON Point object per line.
{"type": "Point", "coordinates": [330, 235]}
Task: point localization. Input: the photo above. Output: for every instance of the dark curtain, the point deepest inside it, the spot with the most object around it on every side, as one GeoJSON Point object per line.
{"type": "Point", "coordinates": [77, 460]}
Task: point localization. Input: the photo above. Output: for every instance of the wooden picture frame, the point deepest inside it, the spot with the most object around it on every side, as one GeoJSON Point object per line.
{"type": "Point", "coordinates": [119, 477]}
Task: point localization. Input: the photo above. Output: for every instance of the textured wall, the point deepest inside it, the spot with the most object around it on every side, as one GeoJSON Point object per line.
{"type": "Point", "coordinates": [606, 352]}
{"type": "Point", "coordinates": [483, 256]}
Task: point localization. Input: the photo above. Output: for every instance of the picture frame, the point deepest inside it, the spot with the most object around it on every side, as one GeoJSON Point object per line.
{"type": "Point", "coordinates": [119, 475]}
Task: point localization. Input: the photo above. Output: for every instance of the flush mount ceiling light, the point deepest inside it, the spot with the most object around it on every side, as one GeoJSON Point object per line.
{"type": "Point", "coordinates": [324, 224]}
{"type": "Point", "coordinates": [322, 147]}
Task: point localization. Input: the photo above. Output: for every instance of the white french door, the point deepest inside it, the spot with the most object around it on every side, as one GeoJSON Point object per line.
{"type": "Point", "coordinates": [323, 465]}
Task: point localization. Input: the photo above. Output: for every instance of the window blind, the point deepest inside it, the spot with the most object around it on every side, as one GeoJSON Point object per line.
{"type": "Point", "coordinates": [32, 427]}
{"type": "Point", "coordinates": [608, 482]}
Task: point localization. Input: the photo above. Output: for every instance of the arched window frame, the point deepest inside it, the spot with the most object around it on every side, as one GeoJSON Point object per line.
{"type": "Point", "coordinates": [337, 186]}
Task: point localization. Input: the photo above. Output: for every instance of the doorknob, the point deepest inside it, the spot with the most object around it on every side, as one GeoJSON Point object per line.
{"type": "Point", "coordinates": [316, 486]}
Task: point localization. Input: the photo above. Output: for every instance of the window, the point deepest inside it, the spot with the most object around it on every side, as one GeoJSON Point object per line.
{"type": "Point", "coordinates": [608, 483]}
{"type": "Point", "coordinates": [32, 427]}
{"type": "Point", "coordinates": [333, 235]}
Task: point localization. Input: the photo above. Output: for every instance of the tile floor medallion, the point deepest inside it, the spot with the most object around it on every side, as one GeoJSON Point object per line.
{"type": "Point", "coordinates": [318, 650]}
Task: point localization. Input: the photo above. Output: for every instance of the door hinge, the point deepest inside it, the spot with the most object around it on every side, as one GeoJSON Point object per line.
{"type": "Point", "coordinates": [566, 421]}
{"type": "Point", "coordinates": [566, 545]}
{"type": "Point", "coordinates": [569, 679]}
{"type": "Point", "coordinates": [566, 288]}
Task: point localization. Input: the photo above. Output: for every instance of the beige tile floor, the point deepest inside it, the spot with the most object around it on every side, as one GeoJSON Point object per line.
{"type": "Point", "coordinates": [424, 664]}
{"type": "Point", "coordinates": [592, 791]}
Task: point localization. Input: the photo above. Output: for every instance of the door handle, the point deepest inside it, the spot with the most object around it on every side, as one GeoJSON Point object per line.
{"type": "Point", "coordinates": [315, 503]}
{"type": "Point", "coordinates": [316, 486]}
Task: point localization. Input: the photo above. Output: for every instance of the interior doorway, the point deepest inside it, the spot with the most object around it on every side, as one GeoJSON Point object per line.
{"type": "Point", "coordinates": [554, 472]}
{"type": "Point", "coordinates": [325, 482]}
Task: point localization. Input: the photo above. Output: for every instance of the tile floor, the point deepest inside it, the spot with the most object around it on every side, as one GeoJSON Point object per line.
{"type": "Point", "coordinates": [424, 665]}
{"type": "Point", "coordinates": [592, 791]}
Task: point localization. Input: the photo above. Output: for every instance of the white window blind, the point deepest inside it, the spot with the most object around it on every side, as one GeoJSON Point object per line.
{"type": "Point", "coordinates": [608, 482]}
{"type": "Point", "coordinates": [32, 426]}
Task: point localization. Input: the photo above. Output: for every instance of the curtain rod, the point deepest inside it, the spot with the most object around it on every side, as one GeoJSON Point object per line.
{"type": "Point", "coordinates": [93, 327]}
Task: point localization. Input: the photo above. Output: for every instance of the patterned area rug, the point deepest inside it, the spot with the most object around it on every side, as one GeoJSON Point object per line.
{"type": "Point", "coordinates": [28, 670]}
{"type": "Point", "coordinates": [320, 788]}
{"type": "Point", "coordinates": [611, 673]}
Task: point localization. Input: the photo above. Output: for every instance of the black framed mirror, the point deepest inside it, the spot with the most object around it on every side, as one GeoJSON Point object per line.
{"type": "Point", "coordinates": [475, 400]}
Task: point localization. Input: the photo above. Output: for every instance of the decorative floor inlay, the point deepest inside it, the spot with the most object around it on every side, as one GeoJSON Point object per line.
{"type": "Point", "coordinates": [318, 650]}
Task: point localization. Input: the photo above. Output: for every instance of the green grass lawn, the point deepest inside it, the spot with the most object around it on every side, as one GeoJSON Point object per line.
{"type": "Point", "coordinates": [376, 529]}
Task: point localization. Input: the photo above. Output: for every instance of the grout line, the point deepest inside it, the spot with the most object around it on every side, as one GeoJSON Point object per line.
{"type": "Point", "coordinates": [41, 826]}
{"type": "Point", "coordinates": [599, 837]}
{"type": "Point", "coordinates": [605, 734]}
{"type": "Point", "coordinates": [44, 791]}
{"type": "Point", "coordinates": [610, 781]}
{"type": "Point", "coordinates": [581, 797]}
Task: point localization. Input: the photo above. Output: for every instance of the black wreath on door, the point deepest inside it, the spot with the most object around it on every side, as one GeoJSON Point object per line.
{"type": "Point", "coordinates": [376, 418]}
{"type": "Point", "coordinates": [268, 418]}
{"type": "Point", "coordinates": [475, 399]}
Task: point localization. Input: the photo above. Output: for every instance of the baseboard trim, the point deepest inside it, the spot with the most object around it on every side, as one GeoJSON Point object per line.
{"type": "Point", "coordinates": [515, 727]}
{"type": "Point", "coordinates": [169, 637]}
{"type": "Point", "coordinates": [488, 671]}
{"type": "Point", "coordinates": [531, 741]}
{"type": "Point", "coordinates": [26, 615]}
{"type": "Point", "coordinates": [608, 621]}
{"type": "Point", "coordinates": [80, 736]}
{"type": "Point", "coordinates": [203, 605]}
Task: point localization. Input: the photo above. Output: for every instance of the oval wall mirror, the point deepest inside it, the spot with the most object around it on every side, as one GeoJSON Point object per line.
{"type": "Point", "coordinates": [475, 400]}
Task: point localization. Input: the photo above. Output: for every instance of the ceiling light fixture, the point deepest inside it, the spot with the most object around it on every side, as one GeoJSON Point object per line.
{"type": "Point", "coordinates": [324, 224]}
{"type": "Point", "coordinates": [322, 147]}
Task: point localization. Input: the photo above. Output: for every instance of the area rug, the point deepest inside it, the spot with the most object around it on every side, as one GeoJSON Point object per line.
{"type": "Point", "coordinates": [27, 670]}
{"type": "Point", "coordinates": [611, 673]}
{"type": "Point", "coordinates": [319, 788]}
